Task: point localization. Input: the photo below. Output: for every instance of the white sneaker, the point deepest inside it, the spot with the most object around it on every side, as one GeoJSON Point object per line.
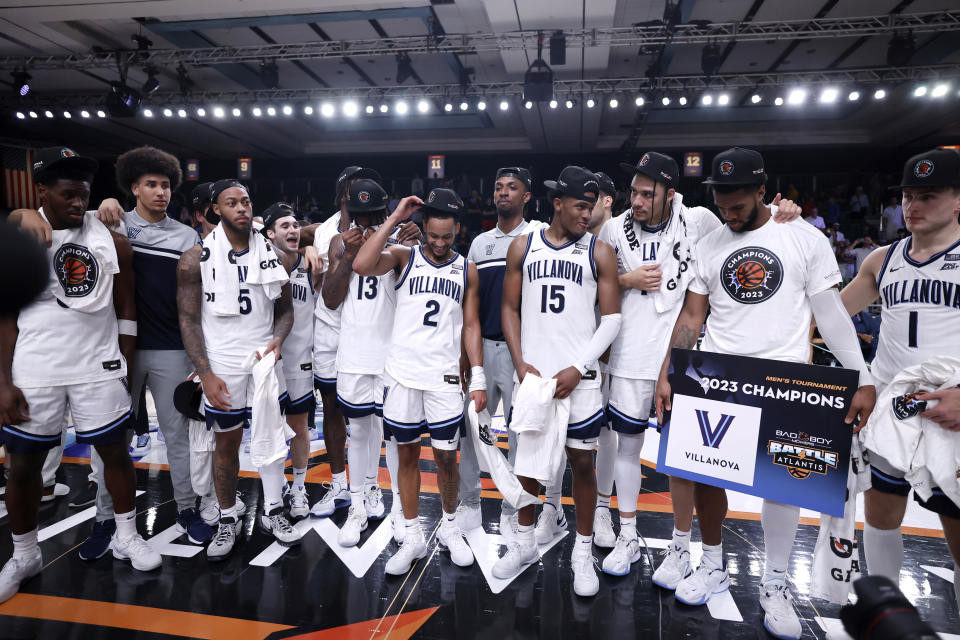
{"type": "Point", "coordinates": [781, 618]}
{"type": "Point", "coordinates": [210, 511]}
{"type": "Point", "coordinates": [451, 537]}
{"type": "Point", "coordinates": [299, 503]}
{"type": "Point", "coordinates": [276, 524]}
{"type": "Point", "coordinates": [509, 526]}
{"type": "Point", "coordinates": [697, 588]}
{"type": "Point", "coordinates": [585, 580]}
{"type": "Point", "coordinates": [517, 558]}
{"type": "Point", "coordinates": [552, 522]}
{"type": "Point", "coordinates": [625, 553]}
{"type": "Point", "coordinates": [223, 541]}
{"type": "Point", "coordinates": [603, 535]}
{"type": "Point", "coordinates": [674, 568]}
{"type": "Point", "coordinates": [468, 518]}
{"type": "Point", "coordinates": [141, 555]}
{"type": "Point", "coordinates": [336, 497]}
{"type": "Point", "coordinates": [240, 505]}
{"type": "Point", "coordinates": [412, 549]}
{"type": "Point", "coordinates": [356, 524]}
{"type": "Point", "coordinates": [54, 491]}
{"type": "Point", "coordinates": [15, 571]}
{"type": "Point", "coordinates": [397, 522]}
{"type": "Point", "coordinates": [373, 502]}
{"type": "Point", "coordinates": [140, 445]}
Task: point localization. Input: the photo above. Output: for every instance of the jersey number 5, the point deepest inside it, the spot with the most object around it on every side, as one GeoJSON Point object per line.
{"type": "Point", "coordinates": [245, 303]}
{"type": "Point", "coordinates": [556, 300]}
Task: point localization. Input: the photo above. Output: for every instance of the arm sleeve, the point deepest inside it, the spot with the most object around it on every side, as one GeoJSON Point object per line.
{"type": "Point", "coordinates": [838, 332]}
{"type": "Point", "coordinates": [602, 338]}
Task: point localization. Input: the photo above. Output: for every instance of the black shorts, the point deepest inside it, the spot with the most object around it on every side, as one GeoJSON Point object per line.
{"type": "Point", "coordinates": [939, 503]}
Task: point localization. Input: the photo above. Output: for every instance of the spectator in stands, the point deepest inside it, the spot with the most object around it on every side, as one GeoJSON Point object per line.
{"type": "Point", "coordinates": [892, 218]}
{"type": "Point", "coordinates": [902, 233]}
{"type": "Point", "coordinates": [489, 214]}
{"type": "Point", "coordinates": [859, 250]}
{"type": "Point", "coordinates": [833, 211]}
{"type": "Point", "coordinates": [793, 193]}
{"type": "Point", "coordinates": [464, 187]}
{"type": "Point", "coordinates": [435, 181]}
{"type": "Point", "coordinates": [416, 185]}
{"type": "Point", "coordinates": [461, 243]}
{"type": "Point", "coordinates": [867, 326]}
{"type": "Point", "coordinates": [859, 203]}
{"type": "Point", "coordinates": [813, 217]}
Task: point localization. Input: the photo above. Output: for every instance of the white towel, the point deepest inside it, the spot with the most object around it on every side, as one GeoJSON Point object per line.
{"type": "Point", "coordinates": [493, 462]}
{"type": "Point", "coordinates": [265, 269]}
{"type": "Point", "coordinates": [84, 263]}
{"type": "Point", "coordinates": [540, 422]}
{"type": "Point", "coordinates": [202, 446]}
{"type": "Point", "coordinates": [269, 432]}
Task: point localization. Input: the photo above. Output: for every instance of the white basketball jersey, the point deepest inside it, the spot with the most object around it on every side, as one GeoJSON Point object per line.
{"type": "Point", "coordinates": [921, 309]}
{"type": "Point", "coordinates": [297, 349]}
{"type": "Point", "coordinates": [230, 339]}
{"type": "Point", "coordinates": [327, 327]}
{"type": "Point", "coordinates": [558, 294]}
{"type": "Point", "coordinates": [366, 323]}
{"type": "Point", "coordinates": [428, 323]}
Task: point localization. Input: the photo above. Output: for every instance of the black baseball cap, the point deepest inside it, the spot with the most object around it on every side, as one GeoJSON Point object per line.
{"type": "Point", "coordinates": [658, 167]}
{"type": "Point", "coordinates": [933, 168]}
{"type": "Point", "coordinates": [276, 211]}
{"type": "Point", "coordinates": [520, 173]}
{"type": "Point", "coordinates": [366, 196]}
{"type": "Point", "coordinates": [606, 183]}
{"type": "Point", "coordinates": [220, 186]}
{"type": "Point", "coordinates": [200, 196]}
{"type": "Point", "coordinates": [575, 182]}
{"type": "Point", "coordinates": [737, 167]}
{"type": "Point", "coordinates": [186, 399]}
{"type": "Point", "coordinates": [443, 201]}
{"type": "Point", "coordinates": [51, 158]}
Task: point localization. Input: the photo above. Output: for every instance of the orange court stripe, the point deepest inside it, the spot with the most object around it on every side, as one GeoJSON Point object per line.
{"type": "Point", "coordinates": [129, 616]}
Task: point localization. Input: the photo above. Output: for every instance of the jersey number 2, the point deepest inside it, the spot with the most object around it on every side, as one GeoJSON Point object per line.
{"type": "Point", "coordinates": [433, 308]}
{"type": "Point", "coordinates": [556, 300]}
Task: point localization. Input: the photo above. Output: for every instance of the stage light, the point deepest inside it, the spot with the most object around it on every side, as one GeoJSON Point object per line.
{"type": "Point", "coordinates": [853, 96]}
{"type": "Point", "coordinates": [464, 106]}
{"type": "Point", "coordinates": [368, 108]}
{"type": "Point", "coordinates": [665, 101]}
{"type": "Point", "coordinates": [151, 84]}
{"type": "Point", "coordinates": [401, 107]}
{"type": "Point", "coordinates": [614, 103]}
{"type": "Point", "coordinates": [308, 110]}
{"type": "Point", "coordinates": [504, 105]}
{"type": "Point", "coordinates": [122, 101]}
{"type": "Point", "coordinates": [67, 115]}
{"type": "Point", "coordinates": [756, 98]}
{"type": "Point", "coordinates": [20, 115]}
{"type": "Point", "coordinates": [271, 111]}
{"type": "Point", "coordinates": [879, 94]}
{"type": "Point", "coordinates": [778, 101]}
{"type": "Point", "coordinates": [84, 114]}
{"type": "Point", "coordinates": [723, 100]}
{"type": "Point", "coordinates": [481, 106]}
{"type": "Point", "coordinates": [384, 108]}
{"type": "Point", "coordinates": [182, 113]}
{"type": "Point", "coordinates": [706, 100]}
{"type": "Point", "coordinates": [553, 104]}
{"type": "Point", "coordinates": [21, 82]}
{"type": "Point", "coordinates": [33, 114]}
{"type": "Point", "coordinates": [940, 90]}
{"type": "Point", "coordinates": [797, 96]}
{"type": "Point", "coordinates": [528, 105]}
{"type": "Point", "coordinates": [218, 112]}
{"type": "Point", "coordinates": [147, 113]}
{"type": "Point", "coordinates": [201, 112]}
{"type": "Point", "coordinates": [423, 106]}
{"type": "Point", "coordinates": [168, 112]}
{"type": "Point", "coordinates": [568, 104]}
{"type": "Point", "coordinates": [829, 95]}
{"type": "Point", "coordinates": [236, 112]}
{"type": "Point", "coordinates": [257, 112]}
{"type": "Point", "coordinates": [682, 101]}
{"type": "Point", "coordinates": [351, 109]}
{"type": "Point", "coordinates": [447, 107]}
{"type": "Point", "coordinates": [638, 101]}
{"type": "Point", "coordinates": [287, 110]}
{"type": "Point", "coordinates": [101, 113]}
{"type": "Point", "coordinates": [591, 103]}
{"type": "Point", "coordinates": [327, 110]}
{"type": "Point", "coordinates": [48, 113]}
{"type": "Point", "coordinates": [920, 91]}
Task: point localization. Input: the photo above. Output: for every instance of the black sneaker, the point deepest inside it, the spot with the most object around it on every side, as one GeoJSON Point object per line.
{"type": "Point", "coordinates": [99, 541]}
{"type": "Point", "coordinates": [85, 497]}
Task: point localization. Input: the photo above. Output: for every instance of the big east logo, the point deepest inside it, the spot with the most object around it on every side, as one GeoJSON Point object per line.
{"type": "Point", "coordinates": [76, 269]}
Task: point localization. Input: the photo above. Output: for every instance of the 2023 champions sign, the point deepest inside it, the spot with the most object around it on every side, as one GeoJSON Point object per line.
{"type": "Point", "coordinates": [763, 427]}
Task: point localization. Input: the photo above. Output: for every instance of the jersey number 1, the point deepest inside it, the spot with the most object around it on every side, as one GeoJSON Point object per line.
{"type": "Point", "coordinates": [912, 330]}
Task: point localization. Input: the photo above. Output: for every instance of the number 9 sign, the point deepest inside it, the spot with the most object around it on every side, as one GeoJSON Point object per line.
{"type": "Point", "coordinates": [244, 168]}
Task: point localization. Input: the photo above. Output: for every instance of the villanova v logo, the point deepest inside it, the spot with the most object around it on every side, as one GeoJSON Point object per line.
{"type": "Point", "coordinates": [712, 437]}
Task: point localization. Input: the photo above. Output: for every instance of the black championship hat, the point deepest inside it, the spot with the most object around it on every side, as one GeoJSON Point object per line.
{"type": "Point", "coordinates": [737, 167]}
{"type": "Point", "coordinates": [354, 172]}
{"type": "Point", "coordinates": [366, 196]}
{"type": "Point", "coordinates": [276, 211]}
{"type": "Point", "coordinates": [934, 168]}
{"type": "Point", "coordinates": [575, 182]}
{"type": "Point", "coordinates": [186, 399]}
{"type": "Point", "coordinates": [607, 186]}
{"type": "Point", "coordinates": [220, 186]}
{"type": "Point", "coordinates": [444, 201]}
{"type": "Point", "coordinates": [656, 166]}
{"type": "Point", "coordinates": [200, 196]}
{"type": "Point", "coordinates": [61, 157]}
{"type": "Point", "coordinates": [520, 173]}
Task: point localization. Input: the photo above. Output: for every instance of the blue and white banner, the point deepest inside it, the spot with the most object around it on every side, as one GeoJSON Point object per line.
{"type": "Point", "coordinates": [763, 427]}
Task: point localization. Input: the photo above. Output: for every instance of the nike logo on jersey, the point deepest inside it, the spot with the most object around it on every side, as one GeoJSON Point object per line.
{"type": "Point", "coordinates": [892, 269]}
{"type": "Point", "coordinates": [535, 250]}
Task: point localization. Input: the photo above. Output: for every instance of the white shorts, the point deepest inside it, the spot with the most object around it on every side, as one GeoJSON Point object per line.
{"type": "Point", "coordinates": [629, 405]}
{"type": "Point", "coordinates": [101, 414]}
{"type": "Point", "coordinates": [409, 412]}
{"type": "Point", "coordinates": [299, 397]}
{"type": "Point", "coordinates": [360, 394]}
{"type": "Point", "coordinates": [586, 417]}
{"type": "Point", "coordinates": [241, 389]}
{"type": "Point", "coordinates": [325, 371]}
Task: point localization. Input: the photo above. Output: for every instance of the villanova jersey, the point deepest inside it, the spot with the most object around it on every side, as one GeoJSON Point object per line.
{"type": "Point", "coordinates": [557, 305]}
{"type": "Point", "coordinates": [297, 349]}
{"type": "Point", "coordinates": [921, 309]}
{"type": "Point", "coordinates": [366, 323]}
{"type": "Point", "coordinates": [428, 323]}
{"type": "Point", "coordinates": [230, 339]}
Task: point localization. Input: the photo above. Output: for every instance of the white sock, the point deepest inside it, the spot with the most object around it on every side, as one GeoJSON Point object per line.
{"type": "Point", "coordinates": [779, 530]}
{"type": "Point", "coordinates": [628, 471]}
{"type": "Point", "coordinates": [448, 519]}
{"type": "Point", "coordinates": [340, 479]}
{"type": "Point", "coordinates": [628, 527]}
{"type": "Point", "coordinates": [229, 514]}
{"type": "Point", "coordinates": [583, 544]}
{"type": "Point", "coordinates": [681, 539]}
{"type": "Point", "coordinates": [25, 544]}
{"type": "Point", "coordinates": [413, 528]}
{"type": "Point", "coordinates": [299, 477]}
{"type": "Point", "coordinates": [525, 534]}
{"type": "Point", "coordinates": [272, 479]}
{"type": "Point", "coordinates": [126, 524]}
{"type": "Point", "coordinates": [713, 555]}
{"type": "Point", "coordinates": [393, 468]}
{"type": "Point", "coordinates": [603, 502]}
{"type": "Point", "coordinates": [883, 549]}
{"type": "Point", "coordinates": [373, 457]}
{"type": "Point", "coordinates": [358, 453]}
{"type": "Point", "coordinates": [606, 457]}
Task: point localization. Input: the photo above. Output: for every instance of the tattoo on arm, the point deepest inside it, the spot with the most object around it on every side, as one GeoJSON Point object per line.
{"type": "Point", "coordinates": [337, 281]}
{"type": "Point", "coordinates": [283, 314]}
{"type": "Point", "coordinates": [189, 299]}
{"type": "Point", "coordinates": [685, 337]}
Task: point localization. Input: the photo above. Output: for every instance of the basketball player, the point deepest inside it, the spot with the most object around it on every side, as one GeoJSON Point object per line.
{"type": "Point", "coordinates": [512, 192]}
{"type": "Point", "coordinates": [554, 278]}
{"type": "Point", "coordinates": [204, 219]}
{"type": "Point", "coordinates": [68, 349]}
{"type": "Point", "coordinates": [771, 320]}
{"type": "Point", "coordinates": [436, 312]}
{"type": "Point", "coordinates": [281, 226]}
{"type": "Point", "coordinates": [915, 328]}
{"type": "Point", "coordinates": [219, 337]}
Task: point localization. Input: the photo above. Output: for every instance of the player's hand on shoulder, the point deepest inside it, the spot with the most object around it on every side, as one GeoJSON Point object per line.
{"type": "Point", "coordinates": [110, 212]}
{"type": "Point", "coordinates": [409, 233]}
{"type": "Point", "coordinates": [861, 406]}
{"type": "Point", "coordinates": [352, 241]}
{"type": "Point", "coordinates": [13, 406]}
{"type": "Point", "coordinates": [313, 260]}
{"type": "Point", "coordinates": [947, 411]}
{"type": "Point", "coordinates": [215, 391]}
{"type": "Point", "coordinates": [787, 210]}
{"type": "Point", "coordinates": [524, 369]}
{"type": "Point", "coordinates": [33, 224]}
{"type": "Point", "coordinates": [479, 399]}
{"type": "Point", "coordinates": [567, 381]}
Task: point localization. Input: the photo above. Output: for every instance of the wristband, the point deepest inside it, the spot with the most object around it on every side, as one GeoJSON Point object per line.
{"type": "Point", "coordinates": [127, 327]}
{"type": "Point", "coordinates": [478, 380]}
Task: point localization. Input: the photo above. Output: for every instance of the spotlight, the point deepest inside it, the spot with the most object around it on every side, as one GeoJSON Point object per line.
{"type": "Point", "coordinates": [151, 84]}
{"type": "Point", "coordinates": [101, 113]}
{"type": "Point", "coordinates": [368, 108]}
{"type": "Point", "coordinates": [591, 103]}
{"type": "Point", "coordinates": [20, 115]}
{"type": "Point", "coordinates": [201, 112]}
{"type": "Point", "coordinates": [665, 101]}
{"type": "Point", "coordinates": [423, 106]}
{"type": "Point", "coordinates": [351, 109]}
{"type": "Point", "coordinates": [756, 98]}
{"type": "Point", "coordinates": [168, 112]}
{"type": "Point", "coordinates": [568, 104]}
{"type": "Point", "coordinates": [271, 111]}
{"type": "Point", "coordinates": [829, 95]}
{"type": "Point", "coordinates": [21, 82]}
{"type": "Point", "coordinates": [710, 59]}
{"type": "Point", "coordinates": [236, 112]}
{"type": "Point", "coordinates": [84, 114]}
{"type": "Point", "coordinates": [48, 113]}
{"type": "Point", "coordinates": [257, 112]}
{"type": "Point", "coordinates": [327, 110]}
{"type": "Point", "coordinates": [940, 90]}
{"type": "Point", "coordinates": [504, 105]}
{"type": "Point", "coordinates": [287, 110]}
{"type": "Point", "coordinates": [147, 113]}
{"type": "Point", "coordinates": [218, 112]}
{"type": "Point", "coordinates": [879, 94]}
{"type": "Point", "coordinates": [682, 101]}
{"type": "Point", "coordinates": [269, 74]}
{"type": "Point", "coordinates": [182, 113]}
{"type": "Point", "coordinates": [920, 91]}
{"type": "Point", "coordinates": [33, 114]}
{"type": "Point", "coordinates": [122, 101]}
{"type": "Point", "coordinates": [638, 101]}
{"type": "Point", "coordinates": [797, 96]}
{"type": "Point", "coordinates": [853, 96]}
{"type": "Point", "coordinates": [614, 103]}
{"type": "Point", "coordinates": [778, 101]}
{"type": "Point", "coordinates": [401, 107]}
{"type": "Point", "coordinates": [308, 110]}
{"type": "Point", "coordinates": [481, 106]}
{"type": "Point", "coordinates": [553, 104]}
{"type": "Point", "coordinates": [464, 106]}
{"type": "Point", "coordinates": [723, 99]}
{"type": "Point", "coordinates": [706, 100]}
{"type": "Point", "coordinates": [384, 108]}
{"type": "Point", "coordinates": [448, 107]}
{"type": "Point", "coordinates": [528, 105]}
{"type": "Point", "coordinates": [67, 115]}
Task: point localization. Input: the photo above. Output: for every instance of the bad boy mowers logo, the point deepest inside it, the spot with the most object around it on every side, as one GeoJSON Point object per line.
{"type": "Point", "coordinates": [76, 269]}
{"type": "Point", "coordinates": [751, 275]}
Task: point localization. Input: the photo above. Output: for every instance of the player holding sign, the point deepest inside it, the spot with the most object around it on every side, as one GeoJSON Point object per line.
{"type": "Point", "coordinates": [761, 282]}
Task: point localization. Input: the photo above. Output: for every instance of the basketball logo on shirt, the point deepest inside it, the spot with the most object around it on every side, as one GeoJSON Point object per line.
{"type": "Point", "coordinates": [76, 269]}
{"type": "Point", "coordinates": [751, 275]}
